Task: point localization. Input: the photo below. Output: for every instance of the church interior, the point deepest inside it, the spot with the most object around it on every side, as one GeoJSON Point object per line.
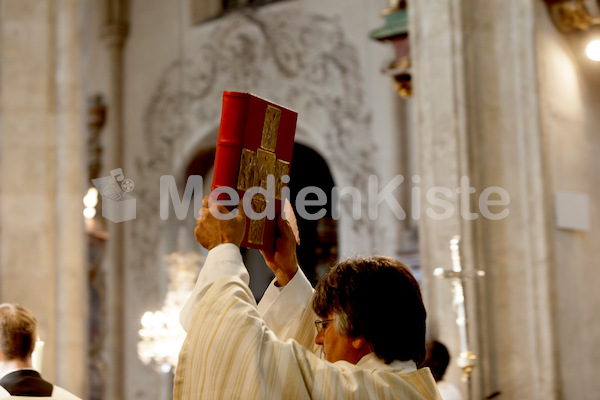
{"type": "Point", "coordinates": [466, 129]}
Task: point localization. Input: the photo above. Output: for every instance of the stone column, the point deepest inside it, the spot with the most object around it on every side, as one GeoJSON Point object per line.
{"type": "Point", "coordinates": [71, 282]}
{"type": "Point", "coordinates": [42, 263]}
{"type": "Point", "coordinates": [477, 115]}
{"type": "Point", "coordinates": [114, 32]}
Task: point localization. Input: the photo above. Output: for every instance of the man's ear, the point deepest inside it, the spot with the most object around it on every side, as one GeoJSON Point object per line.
{"type": "Point", "coordinates": [359, 342]}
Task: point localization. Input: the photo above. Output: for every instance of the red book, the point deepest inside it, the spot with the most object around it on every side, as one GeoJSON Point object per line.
{"type": "Point", "coordinates": [256, 139]}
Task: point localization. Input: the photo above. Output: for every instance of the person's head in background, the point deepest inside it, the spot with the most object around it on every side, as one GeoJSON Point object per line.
{"type": "Point", "coordinates": [437, 359]}
{"type": "Point", "coordinates": [18, 334]}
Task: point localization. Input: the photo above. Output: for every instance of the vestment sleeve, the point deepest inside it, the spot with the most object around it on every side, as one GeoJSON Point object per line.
{"type": "Point", "coordinates": [288, 312]}
{"type": "Point", "coordinates": [229, 353]}
{"type": "Point", "coordinates": [222, 261]}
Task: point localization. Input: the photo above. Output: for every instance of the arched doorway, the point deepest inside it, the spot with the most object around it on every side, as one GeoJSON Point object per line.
{"type": "Point", "coordinates": [318, 238]}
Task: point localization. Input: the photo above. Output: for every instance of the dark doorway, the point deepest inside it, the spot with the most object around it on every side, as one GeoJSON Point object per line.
{"type": "Point", "coordinates": [318, 238]}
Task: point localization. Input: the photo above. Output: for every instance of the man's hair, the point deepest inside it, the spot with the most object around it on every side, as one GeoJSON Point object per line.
{"type": "Point", "coordinates": [377, 298]}
{"type": "Point", "coordinates": [437, 359]}
{"type": "Point", "coordinates": [18, 331]}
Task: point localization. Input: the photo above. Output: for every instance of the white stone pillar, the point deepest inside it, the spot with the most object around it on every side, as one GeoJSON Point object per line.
{"type": "Point", "coordinates": [477, 115]}
{"type": "Point", "coordinates": [71, 263]}
{"type": "Point", "coordinates": [42, 262]}
{"type": "Point", "coordinates": [114, 32]}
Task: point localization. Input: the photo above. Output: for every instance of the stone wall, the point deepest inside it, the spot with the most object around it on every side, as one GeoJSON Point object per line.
{"type": "Point", "coordinates": [502, 98]}
{"type": "Point", "coordinates": [570, 92]}
{"type": "Point", "coordinates": [42, 263]}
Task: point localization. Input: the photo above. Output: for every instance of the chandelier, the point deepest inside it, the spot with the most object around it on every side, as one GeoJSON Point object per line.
{"type": "Point", "coordinates": [161, 334]}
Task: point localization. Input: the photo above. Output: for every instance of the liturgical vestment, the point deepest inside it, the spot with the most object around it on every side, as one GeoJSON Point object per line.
{"type": "Point", "coordinates": [28, 384]}
{"type": "Point", "coordinates": [230, 353]}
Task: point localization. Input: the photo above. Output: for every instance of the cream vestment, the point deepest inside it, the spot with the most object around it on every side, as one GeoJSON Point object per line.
{"type": "Point", "coordinates": [231, 353]}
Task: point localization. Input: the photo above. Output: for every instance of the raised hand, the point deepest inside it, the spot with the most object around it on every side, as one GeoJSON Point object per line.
{"type": "Point", "coordinates": [217, 225]}
{"type": "Point", "coordinates": [283, 261]}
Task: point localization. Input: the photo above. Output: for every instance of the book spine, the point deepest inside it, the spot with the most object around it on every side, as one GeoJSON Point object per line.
{"type": "Point", "coordinates": [230, 140]}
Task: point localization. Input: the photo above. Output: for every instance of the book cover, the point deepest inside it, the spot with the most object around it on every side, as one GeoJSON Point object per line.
{"type": "Point", "coordinates": [256, 140]}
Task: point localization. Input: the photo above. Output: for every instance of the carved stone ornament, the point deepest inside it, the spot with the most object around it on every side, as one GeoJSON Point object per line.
{"type": "Point", "coordinates": [281, 53]}
{"type": "Point", "coordinates": [569, 15]}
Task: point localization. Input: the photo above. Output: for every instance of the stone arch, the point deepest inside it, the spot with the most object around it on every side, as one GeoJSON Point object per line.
{"type": "Point", "coordinates": [282, 53]}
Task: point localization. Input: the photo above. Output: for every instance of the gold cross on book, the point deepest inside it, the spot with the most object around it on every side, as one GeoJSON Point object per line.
{"type": "Point", "coordinates": [255, 167]}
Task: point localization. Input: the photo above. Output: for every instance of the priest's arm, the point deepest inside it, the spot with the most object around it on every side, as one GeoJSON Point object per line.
{"type": "Point", "coordinates": [230, 352]}
{"type": "Point", "coordinates": [285, 305]}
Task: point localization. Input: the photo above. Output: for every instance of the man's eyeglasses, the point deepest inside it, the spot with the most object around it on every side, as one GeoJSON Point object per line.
{"type": "Point", "coordinates": [322, 324]}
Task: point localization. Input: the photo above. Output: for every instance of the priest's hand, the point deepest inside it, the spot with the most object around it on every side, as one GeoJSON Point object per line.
{"type": "Point", "coordinates": [218, 225]}
{"type": "Point", "coordinates": [283, 262]}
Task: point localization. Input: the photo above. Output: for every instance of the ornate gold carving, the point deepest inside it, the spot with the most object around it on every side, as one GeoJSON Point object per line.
{"type": "Point", "coordinates": [569, 15]}
{"type": "Point", "coordinates": [266, 162]}
{"type": "Point", "coordinates": [246, 174]}
{"type": "Point", "coordinates": [256, 231]}
{"type": "Point", "coordinates": [395, 5]}
{"type": "Point", "coordinates": [270, 128]}
{"type": "Point", "coordinates": [401, 63]}
{"type": "Point", "coordinates": [282, 168]}
{"type": "Point", "coordinates": [403, 85]}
